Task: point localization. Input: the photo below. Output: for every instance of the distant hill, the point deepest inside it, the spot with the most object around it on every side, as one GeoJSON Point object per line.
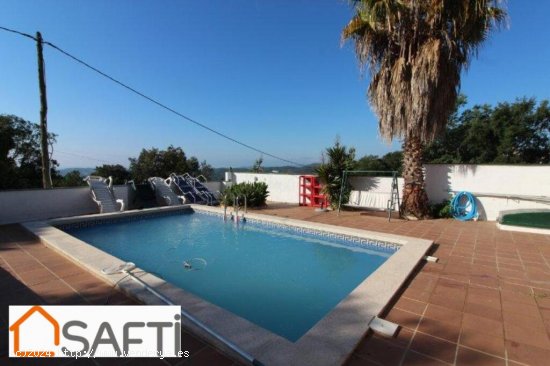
{"type": "Point", "coordinates": [83, 171]}
{"type": "Point", "coordinates": [219, 173]}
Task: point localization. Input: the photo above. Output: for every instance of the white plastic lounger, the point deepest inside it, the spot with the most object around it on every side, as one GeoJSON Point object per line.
{"type": "Point", "coordinates": [102, 194]}
{"type": "Point", "coordinates": [165, 195]}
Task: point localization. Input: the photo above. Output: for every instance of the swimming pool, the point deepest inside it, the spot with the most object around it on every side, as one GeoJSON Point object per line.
{"type": "Point", "coordinates": [278, 278]}
{"type": "Point", "coordinates": [328, 342]}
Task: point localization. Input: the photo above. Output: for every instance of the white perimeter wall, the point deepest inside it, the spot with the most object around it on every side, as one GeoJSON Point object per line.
{"type": "Point", "coordinates": [40, 204]}
{"type": "Point", "coordinates": [441, 181]}
{"type": "Point", "coordinates": [281, 187]}
{"type": "Point", "coordinates": [484, 180]}
{"type": "Point", "coordinates": [373, 192]}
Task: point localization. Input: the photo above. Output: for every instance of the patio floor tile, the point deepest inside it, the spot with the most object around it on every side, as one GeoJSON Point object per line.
{"type": "Point", "coordinates": [468, 357]}
{"type": "Point", "coordinates": [434, 347]}
{"type": "Point", "coordinates": [527, 354]}
{"type": "Point", "coordinates": [415, 359]}
{"type": "Point", "coordinates": [380, 351]}
{"type": "Point", "coordinates": [490, 292]}
{"type": "Point", "coordinates": [447, 331]}
{"type": "Point", "coordinates": [482, 342]}
{"type": "Point", "coordinates": [482, 325]}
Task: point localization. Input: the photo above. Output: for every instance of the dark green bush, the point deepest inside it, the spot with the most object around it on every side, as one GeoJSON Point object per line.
{"type": "Point", "coordinates": [339, 158]}
{"type": "Point", "coordinates": [441, 210]}
{"type": "Point", "coordinates": [256, 194]}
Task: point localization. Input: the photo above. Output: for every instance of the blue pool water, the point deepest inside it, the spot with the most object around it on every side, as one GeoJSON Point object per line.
{"type": "Point", "coordinates": [280, 279]}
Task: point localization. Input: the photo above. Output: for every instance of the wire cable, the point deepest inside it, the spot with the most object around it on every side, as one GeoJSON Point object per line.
{"type": "Point", "coordinates": [17, 32]}
{"type": "Point", "coordinates": [152, 100]}
{"type": "Point", "coordinates": [84, 156]}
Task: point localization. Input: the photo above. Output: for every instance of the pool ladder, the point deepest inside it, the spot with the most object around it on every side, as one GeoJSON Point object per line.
{"type": "Point", "coordinates": [236, 209]}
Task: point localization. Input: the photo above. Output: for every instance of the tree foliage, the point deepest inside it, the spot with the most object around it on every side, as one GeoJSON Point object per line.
{"type": "Point", "coordinates": [257, 167]}
{"type": "Point", "coordinates": [508, 133]}
{"type": "Point", "coordinates": [119, 173]}
{"type": "Point", "coordinates": [416, 51]}
{"type": "Point", "coordinates": [20, 159]}
{"type": "Point", "coordinates": [392, 161]}
{"type": "Point", "coordinates": [72, 179]}
{"type": "Point", "coordinates": [161, 163]}
{"type": "Point", "coordinates": [338, 158]}
{"type": "Point", "coordinates": [206, 170]}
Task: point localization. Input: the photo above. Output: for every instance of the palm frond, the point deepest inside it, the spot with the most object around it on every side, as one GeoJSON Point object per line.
{"type": "Point", "coordinates": [415, 52]}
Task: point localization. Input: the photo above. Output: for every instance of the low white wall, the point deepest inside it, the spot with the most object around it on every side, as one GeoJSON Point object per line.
{"type": "Point", "coordinates": [442, 180]}
{"type": "Point", "coordinates": [372, 192]}
{"type": "Point", "coordinates": [282, 187]}
{"type": "Point", "coordinates": [41, 204]}
{"type": "Point", "coordinates": [486, 180]}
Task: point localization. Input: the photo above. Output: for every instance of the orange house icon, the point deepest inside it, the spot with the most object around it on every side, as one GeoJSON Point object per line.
{"type": "Point", "coordinates": [15, 329]}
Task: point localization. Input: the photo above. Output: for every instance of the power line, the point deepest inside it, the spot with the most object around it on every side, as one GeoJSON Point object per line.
{"type": "Point", "coordinates": [82, 156]}
{"type": "Point", "coordinates": [17, 32]}
{"type": "Point", "coordinates": [152, 100]}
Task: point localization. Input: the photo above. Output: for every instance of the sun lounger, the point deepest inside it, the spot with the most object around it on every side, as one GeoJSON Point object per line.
{"type": "Point", "coordinates": [165, 195]}
{"type": "Point", "coordinates": [102, 193]}
{"type": "Point", "coordinates": [201, 189]}
{"type": "Point", "coordinates": [180, 185]}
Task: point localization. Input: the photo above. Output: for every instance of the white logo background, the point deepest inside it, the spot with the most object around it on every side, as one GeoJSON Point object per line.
{"type": "Point", "coordinates": [37, 334]}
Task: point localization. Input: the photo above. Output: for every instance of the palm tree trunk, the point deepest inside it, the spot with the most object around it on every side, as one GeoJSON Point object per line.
{"type": "Point", "coordinates": [415, 199]}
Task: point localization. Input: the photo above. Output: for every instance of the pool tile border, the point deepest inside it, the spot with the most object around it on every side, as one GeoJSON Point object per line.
{"type": "Point", "coordinates": [352, 241]}
{"type": "Point", "coordinates": [329, 342]}
{"type": "Point", "coordinates": [120, 217]}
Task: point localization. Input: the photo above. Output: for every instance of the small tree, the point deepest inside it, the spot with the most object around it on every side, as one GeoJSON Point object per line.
{"type": "Point", "coordinates": [257, 167]}
{"type": "Point", "coordinates": [119, 173]}
{"type": "Point", "coordinates": [72, 179]}
{"type": "Point", "coordinates": [339, 158]}
{"type": "Point", "coordinates": [371, 162]}
{"type": "Point", "coordinates": [206, 170]}
{"type": "Point", "coordinates": [160, 163]}
{"type": "Point", "coordinates": [20, 157]}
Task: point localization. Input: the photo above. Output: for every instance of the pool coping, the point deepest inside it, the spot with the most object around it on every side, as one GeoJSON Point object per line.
{"type": "Point", "coordinates": [523, 229]}
{"type": "Point", "coordinates": [330, 342]}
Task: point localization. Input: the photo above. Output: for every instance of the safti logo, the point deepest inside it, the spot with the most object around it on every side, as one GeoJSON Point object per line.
{"type": "Point", "coordinates": [95, 331]}
{"type": "Point", "coordinates": [15, 328]}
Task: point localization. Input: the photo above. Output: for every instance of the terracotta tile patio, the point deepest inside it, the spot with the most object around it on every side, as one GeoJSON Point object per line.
{"type": "Point", "coordinates": [487, 300]}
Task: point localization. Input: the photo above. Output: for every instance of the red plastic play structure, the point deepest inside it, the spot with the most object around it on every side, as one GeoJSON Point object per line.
{"type": "Point", "coordinates": [310, 192]}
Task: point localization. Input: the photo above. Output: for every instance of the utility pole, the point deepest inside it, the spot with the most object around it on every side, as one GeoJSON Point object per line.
{"type": "Point", "coordinates": [46, 173]}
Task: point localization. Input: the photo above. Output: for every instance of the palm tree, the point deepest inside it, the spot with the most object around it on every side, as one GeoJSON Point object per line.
{"type": "Point", "coordinates": [415, 51]}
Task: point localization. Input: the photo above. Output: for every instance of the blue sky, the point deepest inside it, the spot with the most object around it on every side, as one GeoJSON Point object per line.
{"type": "Point", "coordinates": [269, 73]}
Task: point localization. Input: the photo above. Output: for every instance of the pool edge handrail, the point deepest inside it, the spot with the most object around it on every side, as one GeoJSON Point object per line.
{"type": "Point", "coordinates": [249, 358]}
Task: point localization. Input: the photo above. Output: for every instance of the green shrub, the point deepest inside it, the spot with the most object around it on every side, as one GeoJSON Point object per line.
{"type": "Point", "coordinates": [339, 158]}
{"type": "Point", "coordinates": [441, 210]}
{"type": "Point", "coordinates": [256, 194]}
